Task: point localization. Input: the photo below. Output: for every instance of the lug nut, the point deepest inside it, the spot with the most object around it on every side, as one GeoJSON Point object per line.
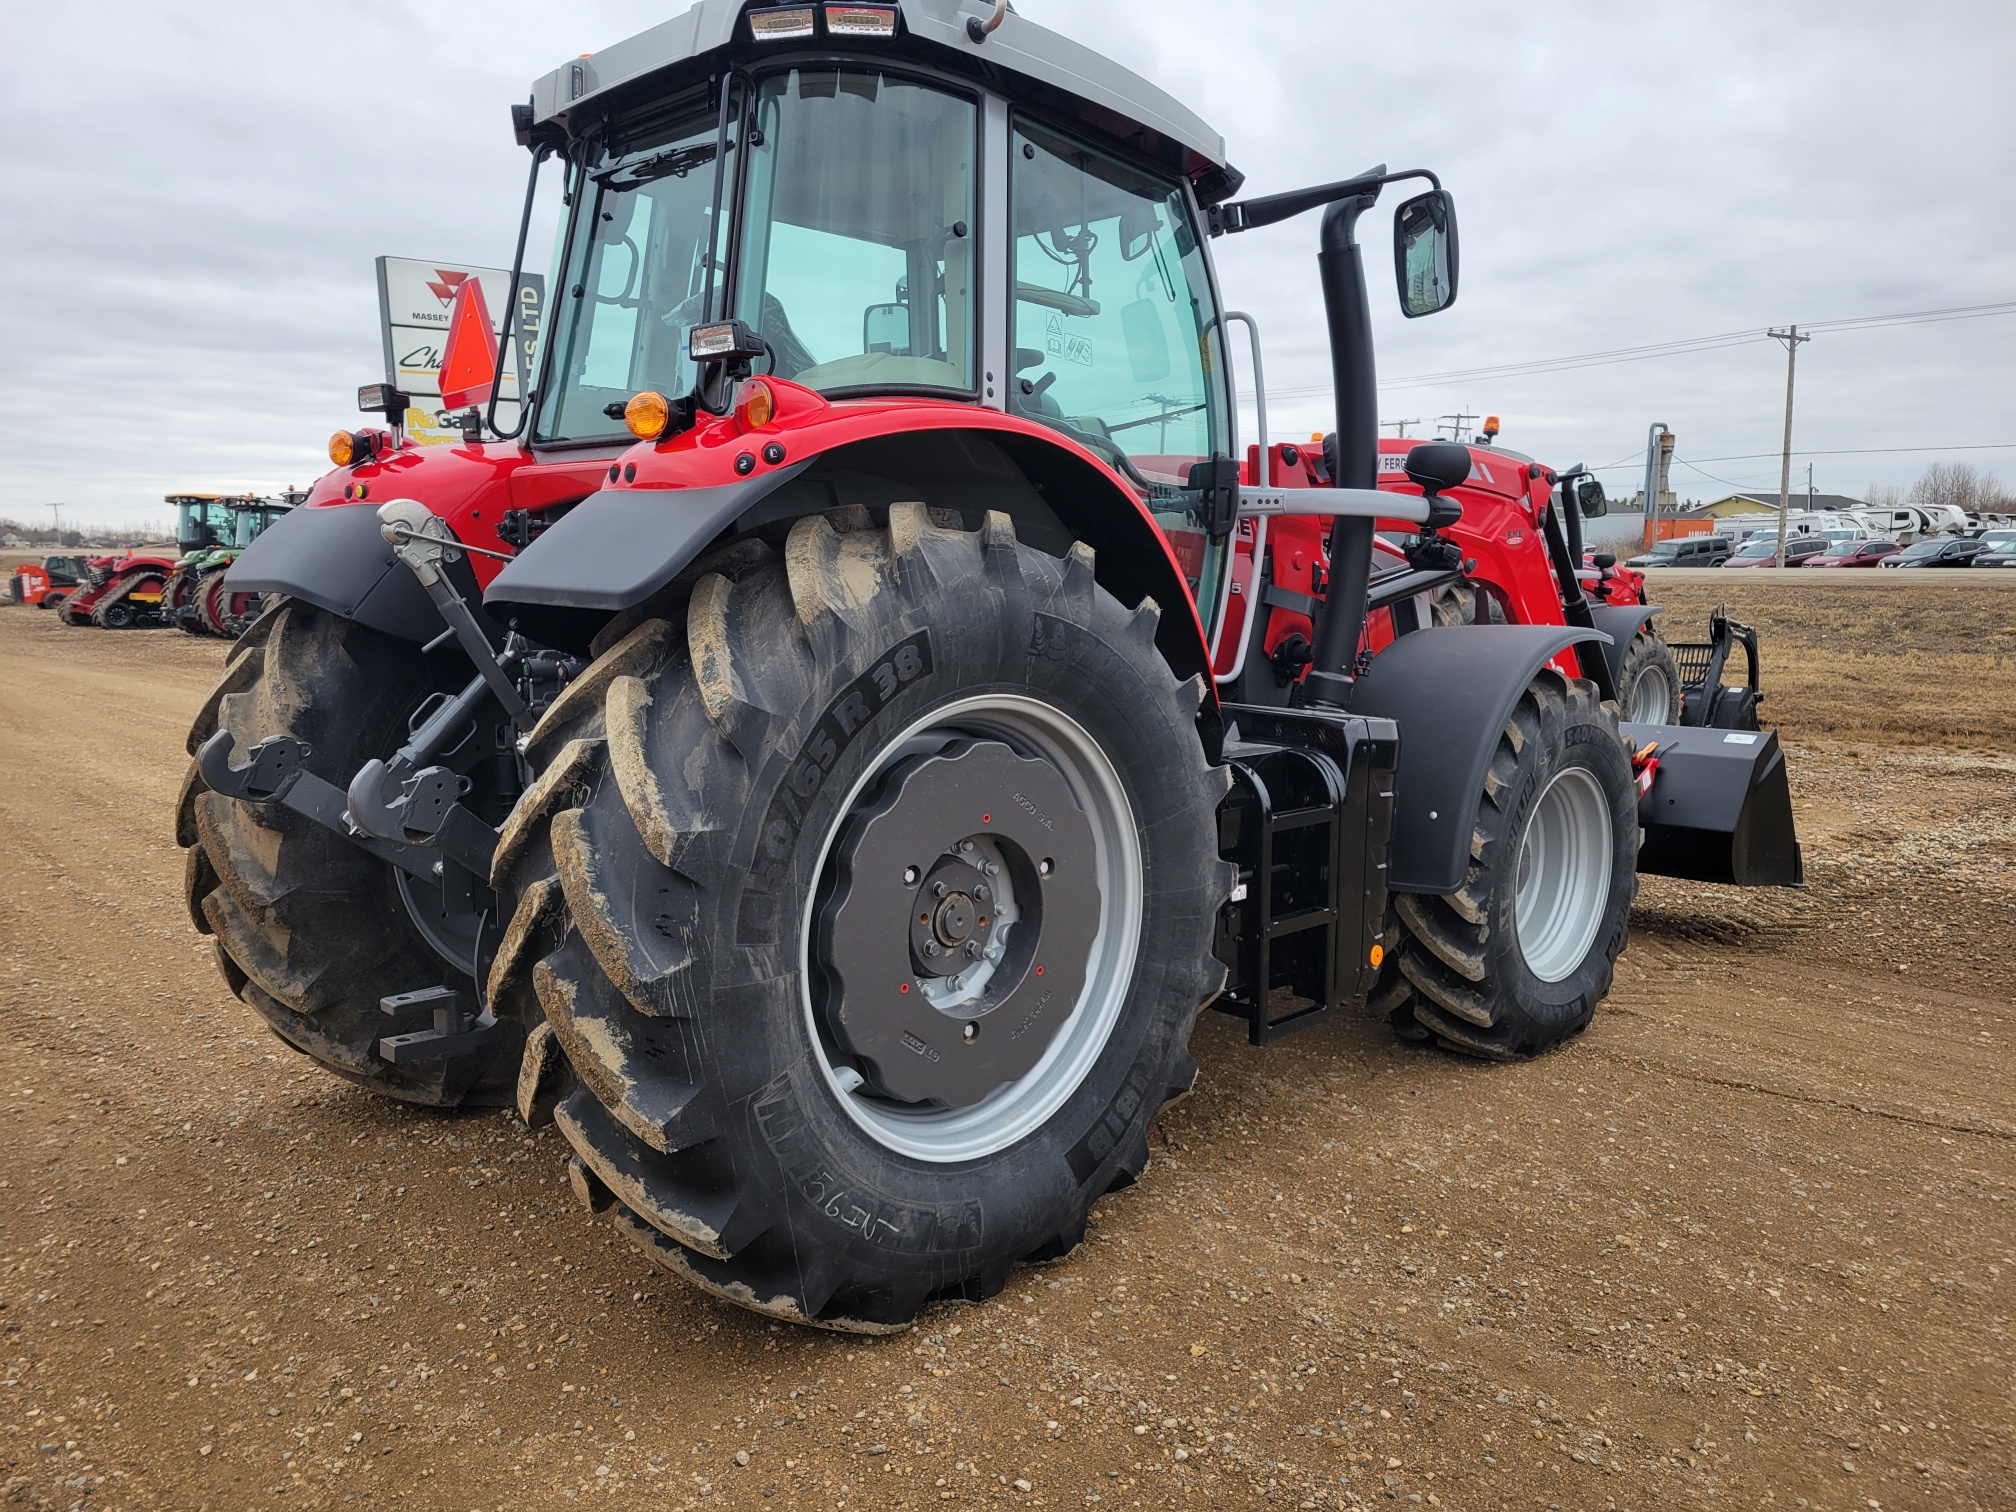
{"type": "Point", "coordinates": [930, 947]}
{"type": "Point", "coordinates": [966, 845]}
{"type": "Point", "coordinates": [971, 1032]}
{"type": "Point", "coordinates": [939, 889]}
{"type": "Point", "coordinates": [1045, 867]}
{"type": "Point", "coordinates": [910, 876]}
{"type": "Point", "coordinates": [993, 868]}
{"type": "Point", "coordinates": [982, 893]}
{"type": "Point", "coordinates": [972, 950]}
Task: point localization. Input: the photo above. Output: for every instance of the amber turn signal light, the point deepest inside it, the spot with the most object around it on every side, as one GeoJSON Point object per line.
{"type": "Point", "coordinates": [342, 448]}
{"type": "Point", "coordinates": [647, 414]}
{"type": "Point", "coordinates": [755, 405]}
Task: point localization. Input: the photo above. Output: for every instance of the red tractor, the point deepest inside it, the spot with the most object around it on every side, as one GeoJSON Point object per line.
{"type": "Point", "coordinates": [828, 757]}
{"type": "Point", "coordinates": [119, 592]}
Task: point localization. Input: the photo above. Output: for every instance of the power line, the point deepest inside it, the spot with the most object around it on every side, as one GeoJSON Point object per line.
{"type": "Point", "coordinates": [1839, 451]}
{"type": "Point", "coordinates": [1679, 348]}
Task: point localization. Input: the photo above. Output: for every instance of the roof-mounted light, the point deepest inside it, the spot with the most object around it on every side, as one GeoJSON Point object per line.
{"type": "Point", "coordinates": [877, 21]}
{"type": "Point", "coordinates": [782, 23]}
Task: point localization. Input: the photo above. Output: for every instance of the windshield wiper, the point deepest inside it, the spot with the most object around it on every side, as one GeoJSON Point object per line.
{"type": "Point", "coordinates": [666, 162]}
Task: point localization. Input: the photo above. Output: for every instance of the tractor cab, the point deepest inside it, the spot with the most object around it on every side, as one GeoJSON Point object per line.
{"type": "Point", "coordinates": [895, 205]}
{"type": "Point", "coordinates": [203, 521]}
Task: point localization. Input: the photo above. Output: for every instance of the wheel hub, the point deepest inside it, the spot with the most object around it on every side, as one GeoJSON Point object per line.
{"type": "Point", "coordinates": [958, 936]}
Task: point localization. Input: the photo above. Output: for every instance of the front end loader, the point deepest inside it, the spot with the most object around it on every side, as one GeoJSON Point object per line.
{"type": "Point", "coordinates": [839, 797]}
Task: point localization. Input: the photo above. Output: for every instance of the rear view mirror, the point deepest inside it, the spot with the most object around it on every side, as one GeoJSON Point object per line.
{"type": "Point", "coordinates": [1590, 499]}
{"type": "Point", "coordinates": [1147, 345]}
{"type": "Point", "coordinates": [1424, 253]}
{"type": "Point", "coordinates": [885, 328]}
{"type": "Point", "coordinates": [1138, 225]}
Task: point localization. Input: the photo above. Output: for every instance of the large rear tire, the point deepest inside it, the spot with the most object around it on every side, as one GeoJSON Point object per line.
{"type": "Point", "coordinates": [310, 930]}
{"type": "Point", "coordinates": [765, 831]}
{"type": "Point", "coordinates": [1516, 960]}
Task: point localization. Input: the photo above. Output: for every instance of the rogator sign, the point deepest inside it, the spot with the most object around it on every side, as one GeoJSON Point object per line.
{"type": "Point", "coordinates": [416, 302]}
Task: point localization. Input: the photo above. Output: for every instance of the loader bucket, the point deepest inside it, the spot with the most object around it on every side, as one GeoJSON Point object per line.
{"type": "Point", "coordinates": [1719, 810]}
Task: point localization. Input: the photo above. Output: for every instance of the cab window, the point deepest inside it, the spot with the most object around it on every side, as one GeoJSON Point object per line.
{"type": "Point", "coordinates": [1116, 345]}
{"type": "Point", "coordinates": [858, 231]}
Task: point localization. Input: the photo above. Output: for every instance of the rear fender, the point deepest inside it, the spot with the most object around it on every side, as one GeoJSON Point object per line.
{"type": "Point", "coordinates": [1451, 691]}
{"type": "Point", "coordinates": [334, 558]}
{"type": "Point", "coordinates": [621, 545]}
{"type": "Point", "coordinates": [1621, 622]}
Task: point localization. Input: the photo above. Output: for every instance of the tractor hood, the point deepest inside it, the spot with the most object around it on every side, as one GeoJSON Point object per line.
{"type": "Point", "coordinates": [1049, 68]}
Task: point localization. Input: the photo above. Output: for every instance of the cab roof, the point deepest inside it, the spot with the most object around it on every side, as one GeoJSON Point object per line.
{"type": "Point", "coordinates": [1019, 58]}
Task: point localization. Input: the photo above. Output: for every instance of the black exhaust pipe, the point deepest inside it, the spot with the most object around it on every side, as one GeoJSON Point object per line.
{"type": "Point", "coordinates": [1341, 625]}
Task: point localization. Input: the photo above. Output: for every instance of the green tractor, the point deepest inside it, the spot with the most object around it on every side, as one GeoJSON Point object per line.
{"type": "Point", "coordinates": [212, 530]}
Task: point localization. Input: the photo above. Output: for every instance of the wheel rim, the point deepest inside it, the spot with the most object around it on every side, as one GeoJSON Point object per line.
{"type": "Point", "coordinates": [1651, 697]}
{"type": "Point", "coordinates": [451, 936]}
{"type": "Point", "coordinates": [1564, 875]}
{"type": "Point", "coordinates": [1054, 748]}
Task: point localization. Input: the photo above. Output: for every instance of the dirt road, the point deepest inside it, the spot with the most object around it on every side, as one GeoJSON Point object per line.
{"type": "Point", "coordinates": [1748, 1240]}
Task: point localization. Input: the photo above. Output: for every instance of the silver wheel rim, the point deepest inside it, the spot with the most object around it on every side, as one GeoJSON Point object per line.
{"type": "Point", "coordinates": [1017, 1110]}
{"type": "Point", "coordinates": [1564, 875]}
{"type": "Point", "coordinates": [1651, 697]}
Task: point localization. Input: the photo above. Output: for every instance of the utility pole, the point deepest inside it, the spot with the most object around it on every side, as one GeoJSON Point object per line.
{"type": "Point", "coordinates": [1657, 429]}
{"type": "Point", "coordinates": [1456, 424]}
{"type": "Point", "coordinates": [1400, 426]}
{"type": "Point", "coordinates": [1791, 337]}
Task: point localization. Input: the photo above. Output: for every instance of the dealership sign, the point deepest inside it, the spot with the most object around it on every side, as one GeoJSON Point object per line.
{"type": "Point", "coordinates": [416, 303]}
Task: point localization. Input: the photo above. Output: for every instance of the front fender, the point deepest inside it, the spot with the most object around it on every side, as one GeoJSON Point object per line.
{"type": "Point", "coordinates": [1621, 622]}
{"type": "Point", "coordinates": [1451, 692]}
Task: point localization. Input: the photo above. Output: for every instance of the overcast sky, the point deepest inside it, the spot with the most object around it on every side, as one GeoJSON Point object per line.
{"type": "Point", "coordinates": [195, 194]}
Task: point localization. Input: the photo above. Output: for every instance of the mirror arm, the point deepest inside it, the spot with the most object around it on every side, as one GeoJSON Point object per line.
{"type": "Point", "coordinates": [1250, 215]}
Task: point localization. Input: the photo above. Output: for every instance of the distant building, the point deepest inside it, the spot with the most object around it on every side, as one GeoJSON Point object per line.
{"type": "Point", "coordinates": [1767, 499]}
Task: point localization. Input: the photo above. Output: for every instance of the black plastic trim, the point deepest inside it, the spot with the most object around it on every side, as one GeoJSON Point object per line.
{"type": "Point", "coordinates": [1620, 622]}
{"type": "Point", "coordinates": [616, 548]}
{"type": "Point", "coordinates": [332, 556]}
{"type": "Point", "coordinates": [1451, 691]}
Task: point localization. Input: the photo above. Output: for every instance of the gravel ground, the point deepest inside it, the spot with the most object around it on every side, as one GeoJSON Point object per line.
{"type": "Point", "coordinates": [1749, 1238]}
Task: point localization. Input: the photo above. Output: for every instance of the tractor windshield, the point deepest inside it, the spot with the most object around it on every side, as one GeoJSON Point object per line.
{"type": "Point", "coordinates": [634, 275]}
{"type": "Point", "coordinates": [857, 234]}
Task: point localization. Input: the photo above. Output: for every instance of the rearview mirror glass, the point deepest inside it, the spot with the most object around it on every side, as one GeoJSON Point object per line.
{"type": "Point", "coordinates": [1590, 499]}
{"type": "Point", "coordinates": [1147, 344]}
{"type": "Point", "coordinates": [885, 328]}
{"type": "Point", "coordinates": [1424, 253]}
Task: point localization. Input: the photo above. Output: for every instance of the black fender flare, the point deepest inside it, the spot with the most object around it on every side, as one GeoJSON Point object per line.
{"type": "Point", "coordinates": [617, 547]}
{"type": "Point", "coordinates": [1621, 622]}
{"type": "Point", "coordinates": [1451, 691]}
{"type": "Point", "coordinates": [333, 557]}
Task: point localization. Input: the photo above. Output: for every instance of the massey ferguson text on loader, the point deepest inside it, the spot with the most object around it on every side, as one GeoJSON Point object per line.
{"type": "Point", "coordinates": [831, 796]}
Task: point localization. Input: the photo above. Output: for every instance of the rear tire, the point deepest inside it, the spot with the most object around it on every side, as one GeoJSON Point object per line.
{"type": "Point", "coordinates": [1516, 960]}
{"type": "Point", "coordinates": [686, 869]}
{"type": "Point", "coordinates": [311, 931]}
{"type": "Point", "coordinates": [1648, 688]}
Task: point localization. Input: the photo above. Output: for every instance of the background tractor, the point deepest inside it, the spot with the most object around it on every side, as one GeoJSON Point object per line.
{"type": "Point", "coordinates": [213, 530]}
{"type": "Point", "coordinates": [119, 592]}
{"type": "Point", "coordinates": [832, 796]}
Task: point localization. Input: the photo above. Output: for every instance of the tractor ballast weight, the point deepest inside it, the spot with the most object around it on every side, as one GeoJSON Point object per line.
{"type": "Point", "coordinates": [814, 725]}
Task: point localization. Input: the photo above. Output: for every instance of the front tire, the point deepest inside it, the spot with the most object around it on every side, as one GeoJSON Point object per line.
{"type": "Point", "coordinates": [1516, 960]}
{"type": "Point", "coordinates": [1648, 688]}
{"type": "Point", "coordinates": [748, 830]}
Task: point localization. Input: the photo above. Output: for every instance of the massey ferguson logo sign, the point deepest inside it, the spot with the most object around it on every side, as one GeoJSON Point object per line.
{"type": "Point", "coordinates": [445, 283]}
{"type": "Point", "coordinates": [416, 305]}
